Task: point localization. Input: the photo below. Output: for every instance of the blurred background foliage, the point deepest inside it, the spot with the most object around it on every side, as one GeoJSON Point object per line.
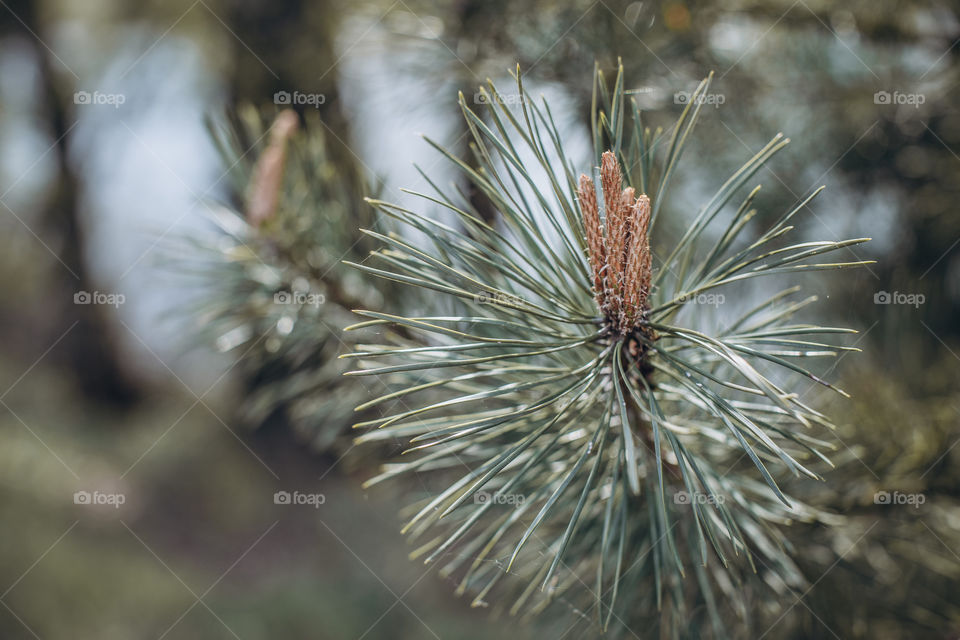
{"type": "Point", "coordinates": [101, 398]}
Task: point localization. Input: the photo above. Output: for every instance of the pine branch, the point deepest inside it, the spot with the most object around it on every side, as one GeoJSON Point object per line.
{"type": "Point", "coordinates": [275, 292]}
{"type": "Point", "coordinates": [584, 428]}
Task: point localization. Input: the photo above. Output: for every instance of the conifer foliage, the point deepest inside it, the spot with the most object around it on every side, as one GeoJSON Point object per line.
{"type": "Point", "coordinates": [580, 429]}
{"type": "Point", "coordinates": [583, 432]}
{"type": "Point", "coordinates": [274, 293]}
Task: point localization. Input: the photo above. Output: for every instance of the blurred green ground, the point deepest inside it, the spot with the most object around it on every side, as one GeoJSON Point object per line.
{"type": "Point", "coordinates": [197, 502]}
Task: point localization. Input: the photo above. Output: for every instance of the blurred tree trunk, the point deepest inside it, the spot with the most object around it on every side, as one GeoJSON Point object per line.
{"type": "Point", "coordinates": [291, 47]}
{"type": "Point", "coordinates": [472, 17]}
{"type": "Point", "coordinates": [90, 347]}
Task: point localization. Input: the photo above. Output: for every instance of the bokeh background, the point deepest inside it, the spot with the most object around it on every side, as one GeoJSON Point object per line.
{"type": "Point", "coordinates": [105, 161]}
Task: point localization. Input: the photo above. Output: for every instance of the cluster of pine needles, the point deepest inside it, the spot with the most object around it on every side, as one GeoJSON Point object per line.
{"type": "Point", "coordinates": [592, 438]}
